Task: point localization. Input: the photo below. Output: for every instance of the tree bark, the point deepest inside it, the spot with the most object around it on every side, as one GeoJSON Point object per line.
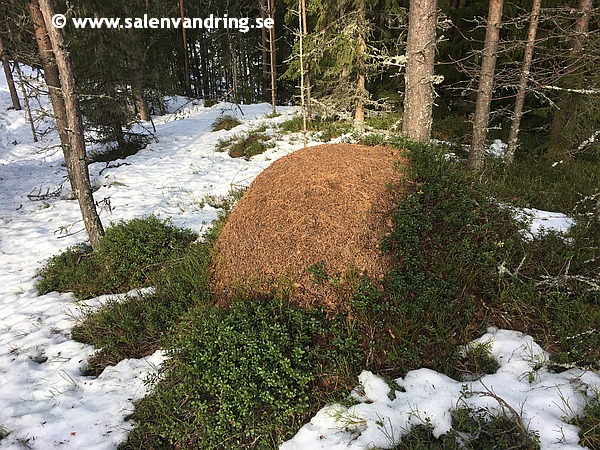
{"type": "Point", "coordinates": [359, 111]}
{"type": "Point", "coordinates": [522, 89]}
{"type": "Point", "coordinates": [26, 100]}
{"type": "Point", "coordinates": [76, 161]}
{"type": "Point", "coordinates": [264, 52]}
{"type": "Point", "coordinates": [273, 54]}
{"type": "Point", "coordinates": [582, 26]}
{"type": "Point", "coordinates": [52, 78]}
{"type": "Point", "coordinates": [420, 54]}
{"type": "Point", "coordinates": [186, 56]}
{"type": "Point", "coordinates": [9, 78]}
{"type": "Point", "coordinates": [486, 85]}
{"type": "Point", "coordinates": [306, 65]}
{"type": "Point", "coordinates": [561, 118]}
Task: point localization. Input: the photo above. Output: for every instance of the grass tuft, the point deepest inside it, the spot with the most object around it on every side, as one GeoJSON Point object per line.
{"type": "Point", "coordinates": [589, 422]}
{"type": "Point", "coordinates": [246, 146]}
{"type": "Point", "coordinates": [225, 122]}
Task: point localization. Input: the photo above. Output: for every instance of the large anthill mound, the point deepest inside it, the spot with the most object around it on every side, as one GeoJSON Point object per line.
{"type": "Point", "coordinates": [309, 226]}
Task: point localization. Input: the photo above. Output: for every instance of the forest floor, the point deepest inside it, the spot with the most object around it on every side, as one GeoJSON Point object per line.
{"type": "Point", "coordinates": [46, 400]}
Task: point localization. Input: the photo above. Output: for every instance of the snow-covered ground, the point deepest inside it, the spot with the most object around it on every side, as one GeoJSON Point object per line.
{"type": "Point", "coordinates": [46, 402]}
{"type": "Point", "coordinates": [545, 401]}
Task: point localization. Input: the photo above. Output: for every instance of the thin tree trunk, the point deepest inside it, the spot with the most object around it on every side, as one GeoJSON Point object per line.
{"type": "Point", "coordinates": [206, 93]}
{"type": "Point", "coordinates": [561, 116]}
{"type": "Point", "coordinates": [9, 78]}
{"type": "Point", "coordinates": [306, 65]}
{"type": "Point", "coordinates": [52, 78]}
{"type": "Point", "coordinates": [139, 98]}
{"type": "Point", "coordinates": [234, 70]}
{"type": "Point", "coordinates": [359, 111]}
{"type": "Point", "coordinates": [186, 56]}
{"type": "Point", "coordinates": [141, 104]}
{"type": "Point", "coordinates": [264, 51]}
{"type": "Point", "coordinates": [273, 54]}
{"type": "Point", "coordinates": [420, 53]}
{"type": "Point", "coordinates": [522, 89]}
{"type": "Point", "coordinates": [582, 26]}
{"type": "Point", "coordinates": [486, 85]}
{"type": "Point", "coordinates": [302, 93]}
{"type": "Point", "coordinates": [26, 100]}
{"type": "Point", "coordinates": [77, 160]}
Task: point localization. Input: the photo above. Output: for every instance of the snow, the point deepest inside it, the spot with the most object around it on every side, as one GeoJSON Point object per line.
{"type": "Point", "coordinates": [544, 400]}
{"type": "Point", "coordinates": [47, 402]}
{"type": "Point", "coordinates": [497, 149]}
{"type": "Point", "coordinates": [541, 222]}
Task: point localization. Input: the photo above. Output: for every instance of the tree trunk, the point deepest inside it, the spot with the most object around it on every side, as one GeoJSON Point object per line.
{"type": "Point", "coordinates": [561, 118]}
{"type": "Point", "coordinates": [76, 163]}
{"type": "Point", "coordinates": [359, 111]}
{"type": "Point", "coordinates": [301, 18]}
{"type": "Point", "coordinates": [306, 65]}
{"type": "Point", "coordinates": [273, 54]}
{"type": "Point", "coordinates": [26, 100]}
{"type": "Point", "coordinates": [486, 85]}
{"type": "Point", "coordinates": [264, 52]}
{"type": "Point", "coordinates": [522, 89]}
{"type": "Point", "coordinates": [141, 104]}
{"type": "Point", "coordinates": [52, 78]}
{"type": "Point", "coordinates": [206, 93]}
{"type": "Point", "coordinates": [582, 26]}
{"type": "Point", "coordinates": [9, 78]}
{"type": "Point", "coordinates": [186, 56]}
{"type": "Point", "coordinates": [420, 53]}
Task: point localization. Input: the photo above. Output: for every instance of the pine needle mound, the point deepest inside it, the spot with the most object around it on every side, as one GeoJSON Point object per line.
{"type": "Point", "coordinates": [309, 226]}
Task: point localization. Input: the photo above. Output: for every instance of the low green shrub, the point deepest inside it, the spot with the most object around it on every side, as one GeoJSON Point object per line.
{"type": "Point", "coordinates": [128, 256]}
{"type": "Point", "coordinates": [448, 240]}
{"type": "Point", "coordinates": [140, 325]}
{"type": "Point", "coordinates": [238, 378]}
{"type": "Point", "coordinates": [385, 121]}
